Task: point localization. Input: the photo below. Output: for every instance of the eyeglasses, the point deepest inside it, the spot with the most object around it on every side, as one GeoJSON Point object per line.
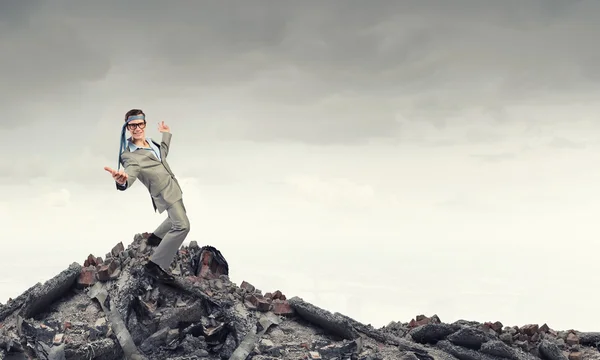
{"type": "Point", "coordinates": [132, 127]}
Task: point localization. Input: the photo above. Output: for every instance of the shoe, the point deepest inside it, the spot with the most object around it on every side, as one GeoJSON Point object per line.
{"type": "Point", "coordinates": [153, 240]}
{"type": "Point", "coordinates": [156, 272]}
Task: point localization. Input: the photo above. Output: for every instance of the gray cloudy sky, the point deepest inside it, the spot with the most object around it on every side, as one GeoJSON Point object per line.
{"type": "Point", "coordinates": [438, 153]}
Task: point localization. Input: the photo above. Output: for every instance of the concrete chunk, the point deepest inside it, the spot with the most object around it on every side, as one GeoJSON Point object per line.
{"type": "Point", "coordinates": [50, 291]}
{"type": "Point", "coordinates": [323, 318]}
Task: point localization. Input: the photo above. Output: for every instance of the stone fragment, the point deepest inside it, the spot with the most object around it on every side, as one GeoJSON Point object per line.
{"type": "Point", "coordinates": [499, 349]}
{"type": "Point", "coordinates": [58, 339]}
{"type": "Point", "coordinates": [576, 355]}
{"type": "Point", "coordinates": [117, 250]}
{"type": "Point", "coordinates": [172, 335]}
{"type": "Point", "coordinates": [572, 339]}
{"type": "Point", "coordinates": [247, 286]}
{"type": "Point", "coordinates": [155, 340]}
{"type": "Point", "coordinates": [432, 333]}
{"type": "Point", "coordinates": [551, 351]}
{"type": "Point", "coordinates": [495, 327]}
{"type": "Point", "coordinates": [529, 329]}
{"type": "Point", "coordinates": [469, 337]}
{"type": "Point", "coordinates": [460, 352]}
{"type": "Point", "coordinates": [171, 317]}
{"type": "Point", "coordinates": [323, 318]}
{"type": "Point", "coordinates": [589, 338]}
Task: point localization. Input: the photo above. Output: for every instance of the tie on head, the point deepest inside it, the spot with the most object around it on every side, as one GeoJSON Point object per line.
{"type": "Point", "coordinates": [123, 141]}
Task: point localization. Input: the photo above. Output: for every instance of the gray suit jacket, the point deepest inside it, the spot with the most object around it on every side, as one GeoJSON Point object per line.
{"type": "Point", "coordinates": [155, 174]}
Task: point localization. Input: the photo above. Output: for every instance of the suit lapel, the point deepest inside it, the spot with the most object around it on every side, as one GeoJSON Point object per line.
{"type": "Point", "coordinates": [160, 150]}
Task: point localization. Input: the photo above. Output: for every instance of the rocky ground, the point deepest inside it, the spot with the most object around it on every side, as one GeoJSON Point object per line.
{"type": "Point", "coordinates": [109, 309]}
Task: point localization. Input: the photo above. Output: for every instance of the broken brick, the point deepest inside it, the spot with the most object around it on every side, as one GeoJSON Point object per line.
{"type": "Point", "coordinates": [256, 301]}
{"type": "Point", "coordinates": [529, 329]}
{"type": "Point", "coordinates": [247, 286]}
{"type": "Point", "coordinates": [87, 277]}
{"type": "Point", "coordinates": [263, 304]}
{"type": "Point", "coordinates": [420, 320]}
{"type": "Point", "coordinates": [91, 259]}
{"type": "Point", "coordinates": [282, 307]}
{"type": "Point", "coordinates": [106, 271]}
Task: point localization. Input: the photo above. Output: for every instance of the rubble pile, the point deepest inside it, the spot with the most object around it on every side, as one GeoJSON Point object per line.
{"type": "Point", "coordinates": [108, 308]}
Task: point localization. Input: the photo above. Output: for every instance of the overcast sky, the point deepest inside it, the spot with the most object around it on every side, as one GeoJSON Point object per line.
{"type": "Point", "coordinates": [382, 159]}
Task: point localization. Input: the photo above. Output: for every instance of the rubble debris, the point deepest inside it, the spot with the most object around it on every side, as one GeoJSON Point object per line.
{"type": "Point", "coordinates": [108, 308]}
{"type": "Point", "coordinates": [118, 325]}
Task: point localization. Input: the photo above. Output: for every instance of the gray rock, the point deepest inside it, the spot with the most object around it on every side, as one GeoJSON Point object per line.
{"type": "Point", "coordinates": [155, 340]}
{"type": "Point", "coordinates": [432, 333]}
{"type": "Point", "coordinates": [500, 349]}
{"type": "Point", "coordinates": [463, 353]}
{"type": "Point", "coordinates": [471, 338]}
{"type": "Point", "coordinates": [323, 318]}
{"type": "Point", "coordinates": [551, 351]}
{"type": "Point", "coordinates": [589, 338]}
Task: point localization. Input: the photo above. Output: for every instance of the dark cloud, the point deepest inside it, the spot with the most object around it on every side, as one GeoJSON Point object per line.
{"type": "Point", "coordinates": [44, 61]}
{"type": "Point", "coordinates": [334, 71]}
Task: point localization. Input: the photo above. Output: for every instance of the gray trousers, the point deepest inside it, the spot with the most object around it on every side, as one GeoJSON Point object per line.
{"type": "Point", "coordinates": [173, 232]}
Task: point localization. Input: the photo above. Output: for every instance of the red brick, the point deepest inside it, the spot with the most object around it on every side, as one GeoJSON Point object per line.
{"type": "Point", "coordinates": [529, 329]}
{"type": "Point", "coordinates": [263, 304]}
{"type": "Point", "coordinates": [87, 277]}
{"type": "Point", "coordinates": [282, 307]}
{"type": "Point", "coordinates": [106, 270]}
{"type": "Point", "coordinates": [92, 260]}
{"type": "Point", "coordinates": [420, 320]}
{"type": "Point", "coordinates": [104, 273]}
